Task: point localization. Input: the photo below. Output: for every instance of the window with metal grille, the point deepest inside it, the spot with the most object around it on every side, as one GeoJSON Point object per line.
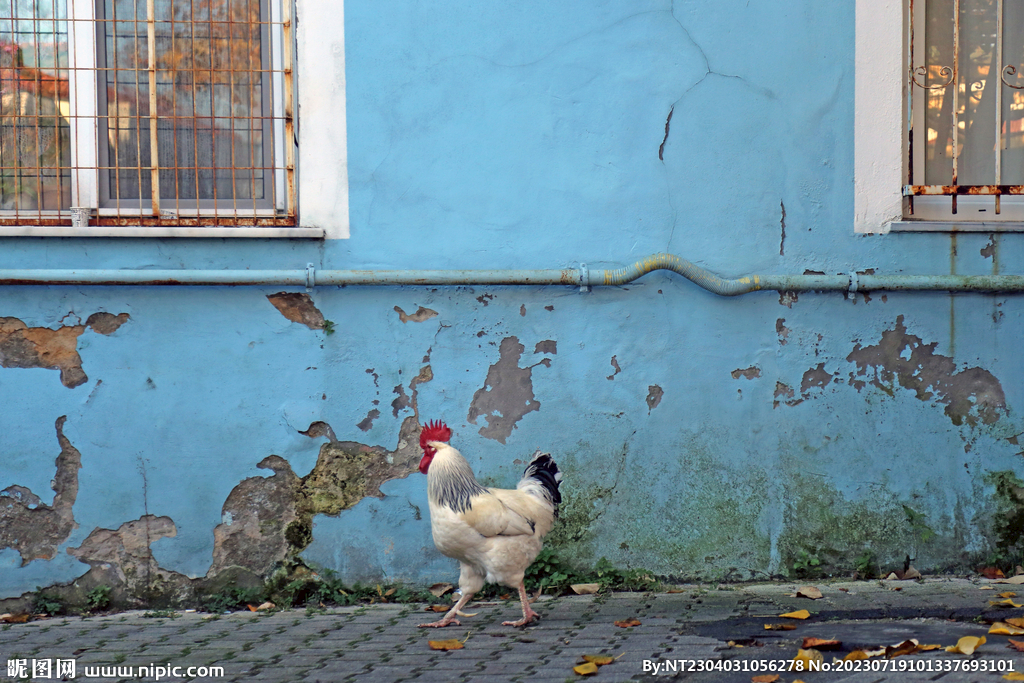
{"type": "Point", "coordinates": [146, 113]}
{"type": "Point", "coordinates": [965, 99]}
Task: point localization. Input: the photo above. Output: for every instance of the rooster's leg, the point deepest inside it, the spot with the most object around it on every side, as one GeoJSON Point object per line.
{"type": "Point", "coordinates": [449, 618]}
{"type": "Point", "coordinates": [528, 614]}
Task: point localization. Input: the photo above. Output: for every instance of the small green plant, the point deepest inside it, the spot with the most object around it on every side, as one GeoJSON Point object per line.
{"type": "Point", "coordinates": [47, 603]}
{"type": "Point", "coordinates": [328, 326]}
{"type": "Point", "coordinates": [161, 614]}
{"type": "Point", "coordinates": [550, 572]}
{"type": "Point", "coordinates": [230, 598]}
{"type": "Point", "coordinates": [120, 657]}
{"type": "Point", "coordinates": [98, 598]}
{"type": "Point", "coordinates": [866, 565]}
{"type": "Point", "coordinates": [806, 565]}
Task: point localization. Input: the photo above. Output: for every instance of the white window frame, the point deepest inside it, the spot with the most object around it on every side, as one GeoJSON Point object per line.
{"type": "Point", "coordinates": [83, 85]}
{"type": "Point", "coordinates": [880, 139]}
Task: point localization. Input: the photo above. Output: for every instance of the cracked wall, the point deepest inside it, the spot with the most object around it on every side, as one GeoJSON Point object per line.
{"type": "Point", "coordinates": [22, 346]}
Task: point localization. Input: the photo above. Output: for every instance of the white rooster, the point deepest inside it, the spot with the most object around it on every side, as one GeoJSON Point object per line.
{"type": "Point", "coordinates": [495, 534]}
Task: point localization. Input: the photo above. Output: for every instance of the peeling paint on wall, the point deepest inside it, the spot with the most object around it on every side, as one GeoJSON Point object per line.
{"type": "Point", "coordinates": [970, 395]}
{"type": "Point", "coordinates": [255, 516]}
{"type": "Point", "coordinates": [366, 424]}
{"type": "Point", "coordinates": [507, 394]}
{"type": "Point", "coordinates": [22, 346]}
{"type": "Point", "coordinates": [815, 377]}
{"type": "Point", "coordinates": [30, 526]}
{"type": "Point", "coordinates": [419, 316]}
{"type": "Point", "coordinates": [782, 331]}
{"type": "Point", "coordinates": [654, 394]}
{"type": "Point", "coordinates": [747, 373]}
{"type": "Point", "coordinates": [299, 308]}
{"type": "Point", "coordinates": [124, 559]}
{"type": "Point", "coordinates": [615, 364]}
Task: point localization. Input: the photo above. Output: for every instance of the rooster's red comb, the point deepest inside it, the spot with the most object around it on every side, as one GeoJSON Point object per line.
{"type": "Point", "coordinates": [434, 430]}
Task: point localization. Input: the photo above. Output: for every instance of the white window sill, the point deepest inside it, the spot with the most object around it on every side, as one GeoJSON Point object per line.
{"type": "Point", "coordinates": [954, 226]}
{"type": "Point", "coordinates": [160, 231]}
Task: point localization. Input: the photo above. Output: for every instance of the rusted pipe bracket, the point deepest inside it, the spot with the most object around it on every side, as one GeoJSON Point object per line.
{"type": "Point", "coordinates": [310, 277]}
{"type": "Point", "coordinates": [584, 278]}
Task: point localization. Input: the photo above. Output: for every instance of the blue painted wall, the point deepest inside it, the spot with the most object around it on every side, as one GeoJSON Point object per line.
{"type": "Point", "coordinates": [538, 136]}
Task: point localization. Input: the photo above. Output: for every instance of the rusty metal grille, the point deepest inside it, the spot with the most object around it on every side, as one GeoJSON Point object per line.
{"type": "Point", "coordinates": [965, 101]}
{"type": "Point", "coordinates": [146, 112]}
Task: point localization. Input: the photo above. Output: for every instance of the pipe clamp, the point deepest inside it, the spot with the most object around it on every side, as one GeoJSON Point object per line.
{"type": "Point", "coordinates": [310, 277]}
{"type": "Point", "coordinates": [584, 278]}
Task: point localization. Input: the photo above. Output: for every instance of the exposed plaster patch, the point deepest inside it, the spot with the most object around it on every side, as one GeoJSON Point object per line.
{"type": "Point", "coordinates": [787, 299]}
{"type": "Point", "coordinates": [367, 423]}
{"type": "Point", "coordinates": [547, 346]}
{"type": "Point", "coordinates": [419, 316]}
{"type": "Point", "coordinates": [376, 377]}
{"type": "Point", "coordinates": [30, 526]}
{"type": "Point", "coordinates": [507, 394]}
{"type": "Point", "coordinates": [522, 310]}
{"type": "Point", "coordinates": [615, 364]}
{"type": "Point", "coordinates": [318, 429]}
{"type": "Point", "coordinates": [784, 392]}
{"type": "Point", "coordinates": [124, 559]}
{"type": "Point", "coordinates": [22, 346]}
{"type": "Point", "coordinates": [256, 514]}
{"type": "Point", "coordinates": [654, 394]}
{"type": "Point", "coordinates": [485, 298]}
{"type": "Point", "coordinates": [298, 307]}
{"type": "Point", "coordinates": [782, 331]}
{"type": "Point", "coordinates": [549, 308]}
{"type": "Point", "coordinates": [400, 403]}
{"type": "Point", "coordinates": [970, 395]}
{"type": "Point", "coordinates": [747, 373]}
{"type": "Point", "coordinates": [815, 377]}
{"type": "Point", "coordinates": [989, 250]}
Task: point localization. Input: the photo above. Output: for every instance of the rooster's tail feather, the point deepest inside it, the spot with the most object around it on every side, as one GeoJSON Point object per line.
{"type": "Point", "coordinates": [542, 477]}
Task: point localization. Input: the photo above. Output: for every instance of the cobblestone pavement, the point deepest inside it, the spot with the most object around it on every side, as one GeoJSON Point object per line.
{"type": "Point", "coordinates": [696, 628]}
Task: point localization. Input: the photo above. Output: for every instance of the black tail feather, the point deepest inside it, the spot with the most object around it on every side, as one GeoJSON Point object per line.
{"type": "Point", "coordinates": [544, 470]}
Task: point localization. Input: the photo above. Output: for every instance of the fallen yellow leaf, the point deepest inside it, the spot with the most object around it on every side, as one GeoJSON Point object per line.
{"type": "Point", "coordinates": [585, 588]}
{"type": "Point", "coordinates": [799, 614]}
{"type": "Point", "coordinates": [765, 678]}
{"type": "Point", "coordinates": [1001, 628]}
{"type": "Point", "coordinates": [808, 592]}
{"type": "Point", "coordinates": [907, 647]}
{"type": "Point", "coordinates": [967, 645]}
{"type": "Point", "coordinates": [1015, 621]}
{"type": "Point", "coordinates": [780, 627]}
{"type": "Point", "coordinates": [1008, 594]}
{"type": "Point", "coordinates": [626, 623]}
{"type": "Point", "coordinates": [452, 644]}
{"type": "Point", "coordinates": [1017, 645]}
{"type": "Point", "coordinates": [1014, 676]}
{"type": "Point", "coordinates": [804, 658]}
{"type": "Point", "coordinates": [856, 655]}
{"type": "Point", "coordinates": [587, 669]}
{"type": "Point", "coordinates": [439, 589]}
{"type": "Point", "coordinates": [600, 660]}
{"type": "Point", "coordinates": [821, 644]}
{"type": "Point", "coordinates": [1004, 603]}
{"type": "Point", "coordinates": [1015, 580]}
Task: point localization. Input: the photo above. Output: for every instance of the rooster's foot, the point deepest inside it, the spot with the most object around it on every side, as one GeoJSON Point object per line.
{"type": "Point", "coordinates": [441, 624]}
{"type": "Point", "coordinates": [530, 616]}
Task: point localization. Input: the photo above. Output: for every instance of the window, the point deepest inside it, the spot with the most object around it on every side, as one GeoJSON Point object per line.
{"type": "Point", "coordinates": [147, 113]}
{"type": "Point", "coordinates": [966, 109]}
{"type": "Point", "coordinates": [915, 104]}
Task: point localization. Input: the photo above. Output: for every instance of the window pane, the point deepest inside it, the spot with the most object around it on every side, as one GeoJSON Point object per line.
{"type": "Point", "coordinates": [34, 132]}
{"type": "Point", "coordinates": [1013, 99]}
{"type": "Point", "coordinates": [210, 100]}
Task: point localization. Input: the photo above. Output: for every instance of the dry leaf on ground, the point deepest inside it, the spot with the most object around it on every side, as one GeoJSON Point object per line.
{"type": "Point", "coordinates": [1008, 594]}
{"type": "Point", "coordinates": [1001, 628]}
{"type": "Point", "coordinates": [1017, 645]}
{"type": "Point", "coordinates": [1006, 602]}
{"type": "Point", "coordinates": [15, 618]}
{"type": "Point", "coordinates": [437, 608]}
{"type": "Point", "coordinates": [585, 588]}
{"type": "Point", "coordinates": [986, 588]}
{"type": "Point", "coordinates": [1014, 676]}
{"type": "Point", "coordinates": [1015, 621]}
{"type": "Point", "coordinates": [600, 660]}
{"type": "Point", "coordinates": [451, 644]}
{"type": "Point", "coordinates": [1015, 580]}
{"type": "Point", "coordinates": [586, 669]}
{"type": "Point", "coordinates": [765, 678]}
{"type": "Point", "coordinates": [626, 623]}
{"type": "Point", "coordinates": [992, 573]}
{"type": "Point", "coordinates": [808, 592]}
{"type": "Point", "coordinates": [967, 645]}
{"type": "Point", "coordinates": [821, 644]}
{"type": "Point", "coordinates": [907, 647]}
{"type": "Point", "coordinates": [780, 627]}
{"type": "Point", "coordinates": [799, 614]}
{"type": "Point", "coordinates": [803, 659]}
{"type": "Point", "coordinates": [910, 573]}
{"type": "Point", "coordinates": [439, 589]}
